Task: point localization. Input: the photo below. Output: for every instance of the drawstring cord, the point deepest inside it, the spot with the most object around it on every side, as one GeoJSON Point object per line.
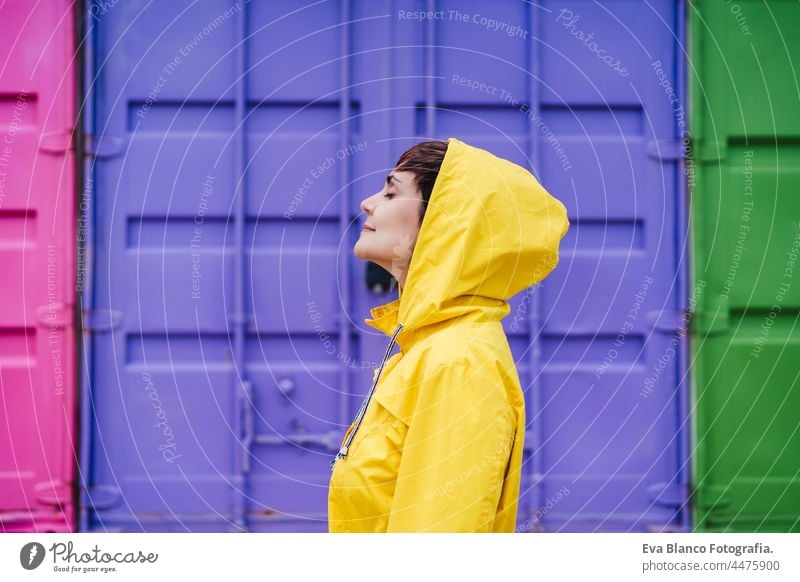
{"type": "Point", "coordinates": [361, 411]}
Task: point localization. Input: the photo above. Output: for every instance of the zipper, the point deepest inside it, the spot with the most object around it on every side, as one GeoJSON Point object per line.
{"type": "Point", "coordinates": [362, 411]}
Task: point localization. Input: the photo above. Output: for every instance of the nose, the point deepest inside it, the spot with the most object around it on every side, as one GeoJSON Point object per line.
{"type": "Point", "coordinates": [367, 204]}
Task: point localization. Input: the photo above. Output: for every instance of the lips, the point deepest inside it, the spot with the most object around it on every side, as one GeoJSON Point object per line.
{"type": "Point", "coordinates": [368, 228]}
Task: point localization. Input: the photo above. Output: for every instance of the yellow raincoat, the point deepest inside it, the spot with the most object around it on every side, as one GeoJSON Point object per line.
{"type": "Point", "coordinates": [439, 443]}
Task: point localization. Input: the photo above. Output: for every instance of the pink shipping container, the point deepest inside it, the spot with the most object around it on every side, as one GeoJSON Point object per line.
{"type": "Point", "coordinates": [37, 258]}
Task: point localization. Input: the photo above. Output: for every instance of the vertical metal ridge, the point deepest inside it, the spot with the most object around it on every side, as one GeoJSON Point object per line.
{"type": "Point", "coordinates": [391, 60]}
{"type": "Point", "coordinates": [84, 352]}
{"type": "Point", "coordinates": [684, 404]}
{"type": "Point", "coordinates": [430, 72]}
{"type": "Point", "coordinates": [696, 123]}
{"type": "Point", "coordinates": [240, 323]}
{"type": "Point", "coordinates": [344, 323]}
{"type": "Point", "coordinates": [535, 468]}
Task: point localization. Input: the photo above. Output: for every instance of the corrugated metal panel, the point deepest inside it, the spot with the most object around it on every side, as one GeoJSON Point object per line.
{"type": "Point", "coordinates": [37, 250]}
{"type": "Point", "coordinates": [246, 328]}
{"type": "Point", "coordinates": [746, 242]}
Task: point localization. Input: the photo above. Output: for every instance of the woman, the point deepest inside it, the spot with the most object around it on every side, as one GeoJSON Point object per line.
{"type": "Point", "coordinates": [437, 444]}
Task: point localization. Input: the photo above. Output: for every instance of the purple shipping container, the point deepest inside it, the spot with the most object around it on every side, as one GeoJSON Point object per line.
{"type": "Point", "coordinates": [230, 148]}
{"type": "Point", "coordinates": [38, 387]}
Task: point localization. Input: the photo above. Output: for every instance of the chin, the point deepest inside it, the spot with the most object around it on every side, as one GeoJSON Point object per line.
{"type": "Point", "coordinates": [358, 251]}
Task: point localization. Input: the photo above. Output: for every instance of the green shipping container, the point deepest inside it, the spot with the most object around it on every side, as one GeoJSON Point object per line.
{"type": "Point", "coordinates": [744, 183]}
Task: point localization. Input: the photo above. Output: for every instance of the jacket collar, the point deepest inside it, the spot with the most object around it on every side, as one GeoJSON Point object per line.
{"type": "Point", "coordinates": [385, 319]}
{"type": "Point", "coordinates": [478, 308]}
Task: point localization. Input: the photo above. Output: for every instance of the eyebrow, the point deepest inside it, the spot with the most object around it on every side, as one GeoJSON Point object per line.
{"type": "Point", "coordinates": [391, 177]}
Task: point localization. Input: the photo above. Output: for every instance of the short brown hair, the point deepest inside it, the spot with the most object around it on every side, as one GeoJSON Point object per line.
{"type": "Point", "coordinates": [424, 161]}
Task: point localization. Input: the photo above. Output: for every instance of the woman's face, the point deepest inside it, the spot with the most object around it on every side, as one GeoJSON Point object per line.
{"type": "Point", "coordinates": [392, 225]}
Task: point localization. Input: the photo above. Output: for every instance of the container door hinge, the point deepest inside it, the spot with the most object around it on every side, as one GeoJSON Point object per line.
{"type": "Point", "coordinates": [54, 315]}
{"type": "Point", "coordinates": [666, 150]}
{"type": "Point", "coordinates": [715, 317]}
{"type": "Point", "coordinates": [56, 142]}
{"type": "Point", "coordinates": [104, 146]}
{"type": "Point", "coordinates": [101, 320]}
{"type": "Point", "coordinates": [668, 494]}
{"type": "Point", "coordinates": [667, 320]}
{"type": "Point", "coordinates": [100, 497]}
{"type": "Point", "coordinates": [712, 497]}
{"type": "Point", "coordinates": [710, 150]}
{"type": "Point", "coordinates": [53, 492]}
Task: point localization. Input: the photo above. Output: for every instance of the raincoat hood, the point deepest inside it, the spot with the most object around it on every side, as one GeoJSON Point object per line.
{"type": "Point", "coordinates": [490, 231]}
